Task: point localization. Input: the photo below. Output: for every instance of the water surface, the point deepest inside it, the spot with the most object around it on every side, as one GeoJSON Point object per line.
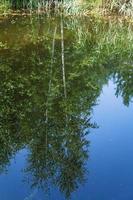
{"type": "Point", "coordinates": [66, 88]}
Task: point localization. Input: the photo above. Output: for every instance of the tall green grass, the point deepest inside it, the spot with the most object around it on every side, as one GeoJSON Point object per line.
{"type": "Point", "coordinates": [68, 7]}
{"type": "Point", "coordinates": [124, 7]}
{"type": "Point", "coordinates": [71, 7]}
{"type": "Point", "coordinates": [4, 6]}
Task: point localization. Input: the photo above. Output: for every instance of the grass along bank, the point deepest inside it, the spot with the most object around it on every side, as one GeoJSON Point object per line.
{"type": "Point", "coordinates": [71, 7]}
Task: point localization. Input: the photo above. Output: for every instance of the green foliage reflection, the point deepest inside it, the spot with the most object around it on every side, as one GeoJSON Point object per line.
{"type": "Point", "coordinates": [50, 79]}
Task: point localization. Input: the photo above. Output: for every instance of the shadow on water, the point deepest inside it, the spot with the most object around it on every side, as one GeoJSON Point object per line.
{"type": "Point", "coordinates": [52, 70]}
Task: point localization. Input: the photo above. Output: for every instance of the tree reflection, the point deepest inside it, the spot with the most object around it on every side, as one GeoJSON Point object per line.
{"type": "Point", "coordinates": [124, 82]}
{"type": "Point", "coordinates": [49, 111]}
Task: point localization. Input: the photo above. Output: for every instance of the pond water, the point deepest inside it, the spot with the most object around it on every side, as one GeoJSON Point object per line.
{"type": "Point", "coordinates": [66, 109]}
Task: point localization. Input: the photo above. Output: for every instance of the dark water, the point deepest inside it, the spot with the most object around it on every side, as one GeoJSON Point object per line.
{"type": "Point", "coordinates": [66, 88]}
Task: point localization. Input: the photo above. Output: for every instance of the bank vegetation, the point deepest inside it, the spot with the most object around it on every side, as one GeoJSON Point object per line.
{"type": "Point", "coordinates": [71, 7]}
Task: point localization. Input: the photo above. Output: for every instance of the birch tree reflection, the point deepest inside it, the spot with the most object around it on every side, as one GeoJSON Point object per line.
{"type": "Point", "coordinates": [50, 79]}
